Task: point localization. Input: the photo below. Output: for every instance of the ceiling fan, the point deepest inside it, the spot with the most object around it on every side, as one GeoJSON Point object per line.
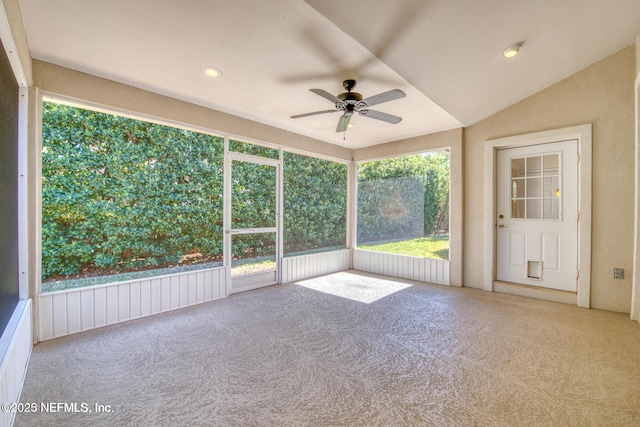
{"type": "Point", "coordinates": [350, 102]}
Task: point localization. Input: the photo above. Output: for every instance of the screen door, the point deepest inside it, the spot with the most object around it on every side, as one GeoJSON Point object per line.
{"type": "Point", "coordinates": [253, 228]}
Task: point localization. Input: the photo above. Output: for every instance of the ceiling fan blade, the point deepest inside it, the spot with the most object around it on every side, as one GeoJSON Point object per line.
{"type": "Point", "coordinates": [297, 116]}
{"type": "Point", "coordinates": [326, 95]}
{"type": "Point", "coordinates": [384, 97]}
{"type": "Point", "coordinates": [389, 118]}
{"type": "Point", "coordinates": [343, 123]}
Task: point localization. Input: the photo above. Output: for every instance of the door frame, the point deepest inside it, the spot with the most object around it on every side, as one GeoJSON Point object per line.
{"type": "Point", "coordinates": [229, 157]}
{"type": "Point", "coordinates": [582, 134]}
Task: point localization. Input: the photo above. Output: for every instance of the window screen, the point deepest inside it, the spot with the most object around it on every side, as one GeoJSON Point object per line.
{"type": "Point", "coordinates": [8, 191]}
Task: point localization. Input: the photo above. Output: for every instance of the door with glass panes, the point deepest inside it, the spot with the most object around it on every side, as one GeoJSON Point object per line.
{"type": "Point", "coordinates": [537, 215]}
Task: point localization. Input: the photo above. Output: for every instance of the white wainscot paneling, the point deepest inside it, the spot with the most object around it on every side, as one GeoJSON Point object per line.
{"type": "Point", "coordinates": [305, 266]}
{"type": "Point", "coordinates": [407, 267]}
{"type": "Point", "coordinates": [75, 310]}
{"type": "Point", "coordinates": [15, 351]}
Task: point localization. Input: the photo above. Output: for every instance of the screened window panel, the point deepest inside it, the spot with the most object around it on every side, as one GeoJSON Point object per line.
{"type": "Point", "coordinates": [315, 204]}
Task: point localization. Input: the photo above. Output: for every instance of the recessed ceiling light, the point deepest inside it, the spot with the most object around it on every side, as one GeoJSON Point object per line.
{"type": "Point", "coordinates": [512, 50]}
{"type": "Point", "coordinates": [211, 72]}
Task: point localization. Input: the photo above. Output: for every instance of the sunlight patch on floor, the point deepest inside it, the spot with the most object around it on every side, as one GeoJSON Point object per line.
{"type": "Point", "coordinates": [354, 286]}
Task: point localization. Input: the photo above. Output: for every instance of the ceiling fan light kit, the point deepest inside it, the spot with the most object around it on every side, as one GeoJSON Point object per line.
{"type": "Point", "coordinates": [349, 102]}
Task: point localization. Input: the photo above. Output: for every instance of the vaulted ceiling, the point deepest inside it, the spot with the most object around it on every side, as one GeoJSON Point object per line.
{"type": "Point", "coordinates": [444, 54]}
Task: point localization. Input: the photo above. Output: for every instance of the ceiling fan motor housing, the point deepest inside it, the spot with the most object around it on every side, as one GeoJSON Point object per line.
{"type": "Point", "coordinates": [350, 97]}
{"type": "Point", "coordinates": [351, 100]}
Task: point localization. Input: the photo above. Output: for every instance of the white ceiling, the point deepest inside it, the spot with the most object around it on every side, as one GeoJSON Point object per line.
{"type": "Point", "coordinates": [445, 54]}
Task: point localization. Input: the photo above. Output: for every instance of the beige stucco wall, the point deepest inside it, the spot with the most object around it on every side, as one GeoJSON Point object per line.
{"type": "Point", "coordinates": [450, 138]}
{"type": "Point", "coordinates": [638, 57]}
{"type": "Point", "coordinates": [602, 95]}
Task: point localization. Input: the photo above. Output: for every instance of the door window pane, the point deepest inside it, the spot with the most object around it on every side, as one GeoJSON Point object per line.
{"type": "Point", "coordinates": [533, 208]}
{"type": "Point", "coordinates": [551, 209]}
{"type": "Point", "coordinates": [517, 209]}
{"type": "Point", "coordinates": [551, 187]}
{"type": "Point", "coordinates": [551, 163]}
{"type": "Point", "coordinates": [534, 166]}
{"type": "Point", "coordinates": [517, 168]}
{"type": "Point", "coordinates": [517, 188]}
{"type": "Point", "coordinates": [535, 187]}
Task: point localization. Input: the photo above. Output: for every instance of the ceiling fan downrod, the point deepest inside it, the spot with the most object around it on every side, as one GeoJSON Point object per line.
{"type": "Point", "coordinates": [348, 96]}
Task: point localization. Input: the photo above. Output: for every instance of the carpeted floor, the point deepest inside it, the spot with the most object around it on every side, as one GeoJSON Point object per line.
{"type": "Point", "coordinates": [385, 353]}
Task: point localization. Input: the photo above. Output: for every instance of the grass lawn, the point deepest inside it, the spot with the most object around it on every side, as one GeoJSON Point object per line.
{"type": "Point", "coordinates": [252, 265]}
{"type": "Point", "coordinates": [436, 247]}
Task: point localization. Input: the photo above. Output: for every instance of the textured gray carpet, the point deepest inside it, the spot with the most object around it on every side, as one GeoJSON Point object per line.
{"type": "Point", "coordinates": [293, 355]}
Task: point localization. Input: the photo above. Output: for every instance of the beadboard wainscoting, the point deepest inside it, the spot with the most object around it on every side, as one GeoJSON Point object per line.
{"type": "Point", "coordinates": [407, 267]}
{"type": "Point", "coordinates": [75, 310]}
{"type": "Point", "coordinates": [305, 266]}
{"type": "Point", "coordinates": [16, 346]}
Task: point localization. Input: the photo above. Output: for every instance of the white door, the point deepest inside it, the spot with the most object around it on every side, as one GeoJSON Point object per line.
{"type": "Point", "coordinates": [252, 233]}
{"type": "Point", "coordinates": [537, 215]}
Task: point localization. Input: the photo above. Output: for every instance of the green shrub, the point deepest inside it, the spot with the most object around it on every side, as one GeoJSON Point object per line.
{"type": "Point", "coordinates": [315, 203]}
{"type": "Point", "coordinates": [120, 193]}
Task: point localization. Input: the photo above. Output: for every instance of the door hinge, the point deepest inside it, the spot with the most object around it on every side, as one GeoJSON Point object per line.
{"type": "Point", "coordinates": [578, 216]}
{"type": "Point", "coordinates": [578, 157]}
{"type": "Point", "coordinates": [577, 274]}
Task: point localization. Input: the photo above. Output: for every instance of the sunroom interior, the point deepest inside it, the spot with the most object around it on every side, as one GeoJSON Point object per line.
{"type": "Point", "coordinates": [566, 84]}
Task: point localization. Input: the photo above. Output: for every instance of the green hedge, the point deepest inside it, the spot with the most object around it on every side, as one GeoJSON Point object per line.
{"type": "Point", "coordinates": [315, 203]}
{"type": "Point", "coordinates": [120, 193]}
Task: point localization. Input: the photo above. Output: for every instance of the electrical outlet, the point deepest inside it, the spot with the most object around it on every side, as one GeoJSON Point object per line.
{"type": "Point", "coordinates": [618, 273]}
